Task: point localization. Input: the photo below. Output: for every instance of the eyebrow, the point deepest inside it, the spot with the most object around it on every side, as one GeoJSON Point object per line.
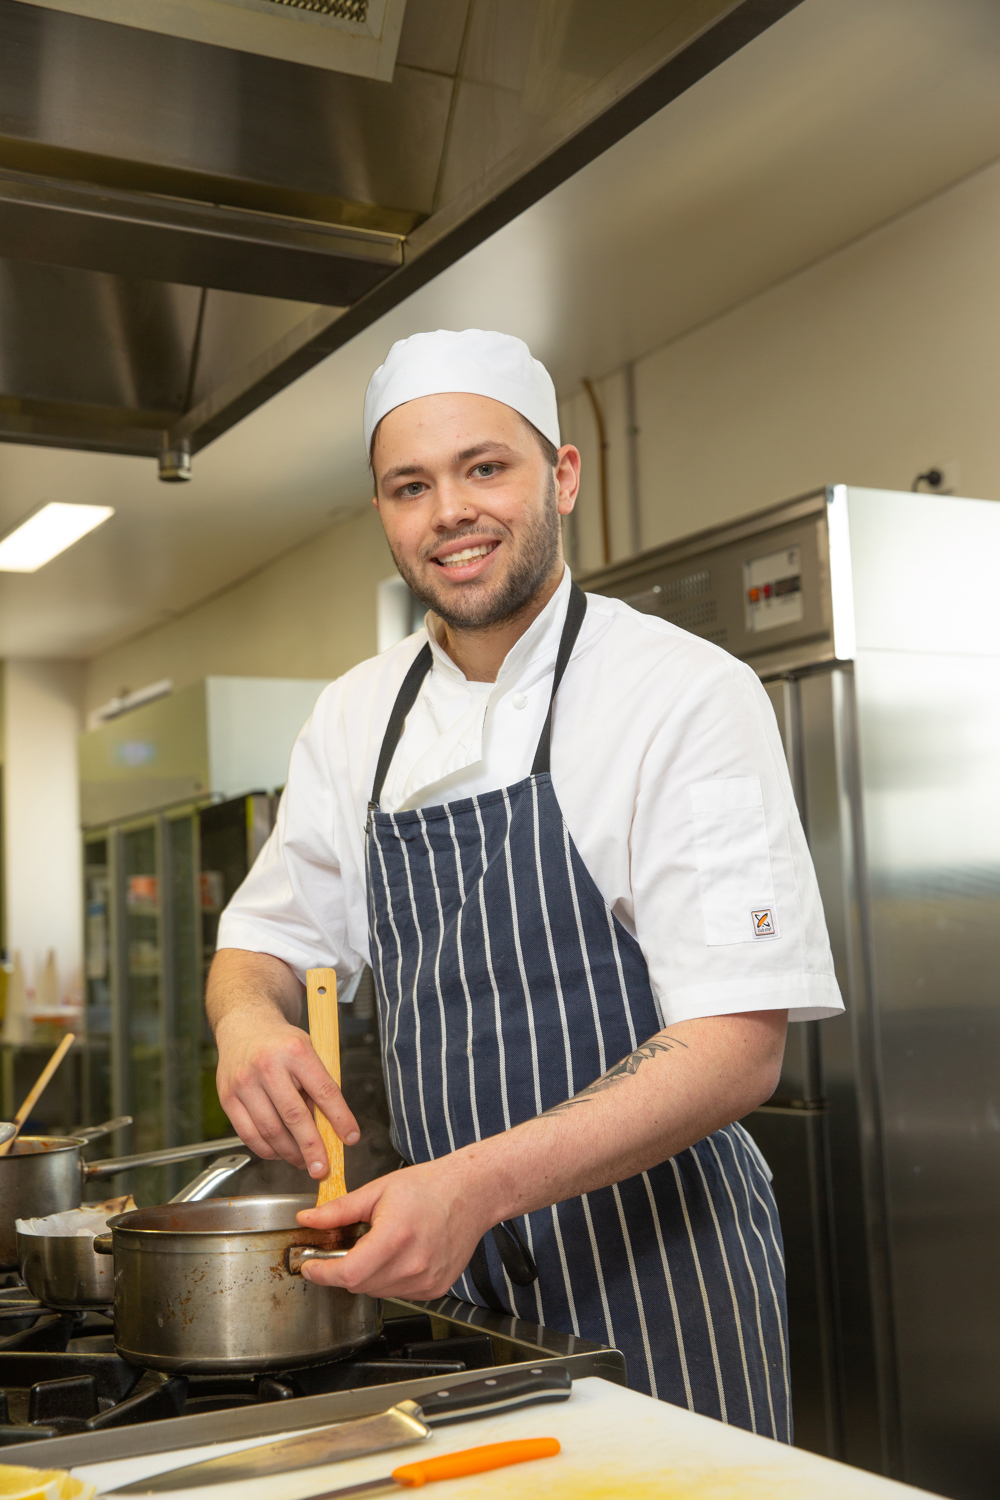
{"type": "Point", "coordinates": [402, 471]}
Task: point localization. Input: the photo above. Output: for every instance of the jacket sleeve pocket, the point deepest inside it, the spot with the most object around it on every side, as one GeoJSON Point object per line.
{"type": "Point", "coordinates": [734, 861]}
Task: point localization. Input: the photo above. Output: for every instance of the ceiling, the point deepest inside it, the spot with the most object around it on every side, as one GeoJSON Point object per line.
{"type": "Point", "coordinates": [843, 114]}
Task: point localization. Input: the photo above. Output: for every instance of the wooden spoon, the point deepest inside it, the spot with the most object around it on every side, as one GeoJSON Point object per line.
{"type": "Point", "coordinates": [324, 1031]}
{"type": "Point", "coordinates": [41, 1084]}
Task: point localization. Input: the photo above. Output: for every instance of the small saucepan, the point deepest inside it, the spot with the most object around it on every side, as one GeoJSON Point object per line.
{"type": "Point", "coordinates": [214, 1287]}
{"type": "Point", "coordinates": [45, 1174]}
{"type": "Point", "coordinates": [64, 1270]}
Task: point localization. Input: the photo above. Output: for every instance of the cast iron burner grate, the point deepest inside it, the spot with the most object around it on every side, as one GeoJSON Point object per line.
{"type": "Point", "coordinates": [59, 1373]}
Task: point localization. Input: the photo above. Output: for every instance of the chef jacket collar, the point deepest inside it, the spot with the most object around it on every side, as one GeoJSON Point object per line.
{"type": "Point", "coordinates": [461, 748]}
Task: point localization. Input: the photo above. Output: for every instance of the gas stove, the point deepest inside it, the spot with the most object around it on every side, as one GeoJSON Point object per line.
{"type": "Point", "coordinates": [67, 1398]}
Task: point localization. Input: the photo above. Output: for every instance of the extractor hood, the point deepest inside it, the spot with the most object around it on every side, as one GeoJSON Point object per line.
{"type": "Point", "coordinates": [186, 227]}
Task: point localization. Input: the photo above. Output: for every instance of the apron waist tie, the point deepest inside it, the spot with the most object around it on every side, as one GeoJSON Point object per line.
{"type": "Point", "coordinates": [517, 1260]}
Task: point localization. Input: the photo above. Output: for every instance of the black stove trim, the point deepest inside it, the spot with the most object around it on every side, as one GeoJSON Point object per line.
{"type": "Point", "coordinates": [532, 1346]}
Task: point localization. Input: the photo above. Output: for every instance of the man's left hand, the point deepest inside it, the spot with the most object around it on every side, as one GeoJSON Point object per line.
{"type": "Point", "coordinates": [423, 1232]}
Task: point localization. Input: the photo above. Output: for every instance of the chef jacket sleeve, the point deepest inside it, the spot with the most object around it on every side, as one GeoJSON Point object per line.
{"type": "Point", "coordinates": [295, 902]}
{"type": "Point", "coordinates": [726, 904]}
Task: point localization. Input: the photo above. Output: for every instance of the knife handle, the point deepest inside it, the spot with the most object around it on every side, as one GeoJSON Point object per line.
{"type": "Point", "coordinates": [497, 1393]}
{"type": "Point", "coordinates": [475, 1461]}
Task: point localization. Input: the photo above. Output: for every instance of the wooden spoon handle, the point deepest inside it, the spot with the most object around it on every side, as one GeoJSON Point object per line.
{"type": "Point", "coordinates": [324, 1031]}
{"type": "Point", "coordinates": [38, 1088]}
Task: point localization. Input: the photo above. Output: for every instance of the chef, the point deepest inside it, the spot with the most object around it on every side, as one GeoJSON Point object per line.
{"type": "Point", "coordinates": [563, 835]}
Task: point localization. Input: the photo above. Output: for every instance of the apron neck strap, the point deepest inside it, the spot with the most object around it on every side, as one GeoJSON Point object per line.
{"type": "Point", "coordinates": [413, 681]}
{"type": "Point", "coordinates": [575, 612]}
{"type": "Point", "coordinates": [405, 700]}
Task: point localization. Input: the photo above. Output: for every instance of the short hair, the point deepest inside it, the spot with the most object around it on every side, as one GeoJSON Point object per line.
{"type": "Point", "coordinates": [550, 452]}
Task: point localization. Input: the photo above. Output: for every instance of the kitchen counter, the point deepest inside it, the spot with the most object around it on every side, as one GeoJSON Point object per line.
{"type": "Point", "coordinates": [615, 1443]}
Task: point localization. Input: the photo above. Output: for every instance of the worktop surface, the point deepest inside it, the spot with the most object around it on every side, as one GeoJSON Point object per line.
{"type": "Point", "coordinates": [615, 1442]}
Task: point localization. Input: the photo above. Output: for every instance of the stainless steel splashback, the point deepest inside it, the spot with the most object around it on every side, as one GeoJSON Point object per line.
{"type": "Point", "coordinates": [884, 1133]}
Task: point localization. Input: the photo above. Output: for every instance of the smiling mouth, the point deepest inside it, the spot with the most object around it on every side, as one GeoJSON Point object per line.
{"type": "Point", "coordinates": [466, 555]}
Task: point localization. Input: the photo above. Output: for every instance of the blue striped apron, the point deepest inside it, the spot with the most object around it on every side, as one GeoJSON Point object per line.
{"type": "Point", "coordinates": [505, 984]}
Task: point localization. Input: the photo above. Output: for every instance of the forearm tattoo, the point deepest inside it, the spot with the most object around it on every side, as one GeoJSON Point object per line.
{"type": "Point", "coordinates": [618, 1073]}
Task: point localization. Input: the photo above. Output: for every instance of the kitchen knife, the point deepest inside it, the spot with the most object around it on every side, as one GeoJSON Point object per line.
{"type": "Point", "coordinates": [406, 1422]}
{"type": "Point", "coordinates": [450, 1466]}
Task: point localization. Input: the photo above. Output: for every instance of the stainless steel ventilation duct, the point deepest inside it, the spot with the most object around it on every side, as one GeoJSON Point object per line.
{"type": "Point", "coordinates": [186, 227]}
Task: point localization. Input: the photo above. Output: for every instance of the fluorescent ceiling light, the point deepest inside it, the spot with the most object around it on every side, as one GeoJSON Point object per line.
{"type": "Point", "coordinates": [47, 533]}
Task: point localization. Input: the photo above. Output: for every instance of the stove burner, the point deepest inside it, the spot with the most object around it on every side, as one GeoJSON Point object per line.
{"type": "Point", "coordinates": [59, 1373]}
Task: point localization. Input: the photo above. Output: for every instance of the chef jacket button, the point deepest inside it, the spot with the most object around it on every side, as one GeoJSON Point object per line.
{"type": "Point", "coordinates": [519, 700]}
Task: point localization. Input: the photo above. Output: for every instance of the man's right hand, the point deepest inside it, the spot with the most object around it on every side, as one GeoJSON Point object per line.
{"type": "Point", "coordinates": [269, 1075]}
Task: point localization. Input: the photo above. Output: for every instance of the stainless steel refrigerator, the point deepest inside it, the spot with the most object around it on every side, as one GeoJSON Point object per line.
{"type": "Point", "coordinates": [873, 619]}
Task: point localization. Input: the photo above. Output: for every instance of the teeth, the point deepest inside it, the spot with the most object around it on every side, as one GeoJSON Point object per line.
{"type": "Point", "coordinates": [454, 559]}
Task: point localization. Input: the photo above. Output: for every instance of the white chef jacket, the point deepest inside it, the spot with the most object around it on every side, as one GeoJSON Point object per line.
{"type": "Point", "coordinates": [668, 766]}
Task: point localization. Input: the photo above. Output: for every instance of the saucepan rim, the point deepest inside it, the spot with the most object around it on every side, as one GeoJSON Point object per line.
{"type": "Point", "coordinates": [127, 1223]}
{"type": "Point", "coordinates": [58, 1143]}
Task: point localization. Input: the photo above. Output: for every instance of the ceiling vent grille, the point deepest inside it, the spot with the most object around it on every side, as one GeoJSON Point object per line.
{"type": "Point", "coordinates": [348, 36]}
{"type": "Point", "coordinates": [343, 10]}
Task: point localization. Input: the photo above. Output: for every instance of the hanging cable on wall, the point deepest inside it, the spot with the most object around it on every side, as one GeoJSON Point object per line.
{"type": "Point", "coordinates": [632, 435]}
{"type": "Point", "coordinates": [602, 438]}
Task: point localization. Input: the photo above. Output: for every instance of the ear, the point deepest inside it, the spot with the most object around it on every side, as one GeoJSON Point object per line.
{"type": "Point", "coordinates": [567, 473]}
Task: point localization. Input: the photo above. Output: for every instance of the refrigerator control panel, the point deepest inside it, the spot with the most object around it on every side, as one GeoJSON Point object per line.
{"type": "Point", "coordinates": [760, 587]}
{"type": "Point", "coordinates": [772, 590]}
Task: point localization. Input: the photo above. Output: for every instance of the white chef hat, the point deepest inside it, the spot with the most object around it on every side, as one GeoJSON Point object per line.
{"type": "Point", "coordinates": [481, 363]}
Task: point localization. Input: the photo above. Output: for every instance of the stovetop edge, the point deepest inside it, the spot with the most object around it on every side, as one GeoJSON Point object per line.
{"type": "Point", "coordinates": [273, 1418]}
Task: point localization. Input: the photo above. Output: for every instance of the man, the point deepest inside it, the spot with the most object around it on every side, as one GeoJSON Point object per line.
{"type": "Point", "coordinates": [563, 835]}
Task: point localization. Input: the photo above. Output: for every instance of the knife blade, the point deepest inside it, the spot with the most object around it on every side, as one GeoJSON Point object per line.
{"type": "Point", "coordinates": [406, 1422]}
{"type": "Point", "coordinates": [449, 1466]}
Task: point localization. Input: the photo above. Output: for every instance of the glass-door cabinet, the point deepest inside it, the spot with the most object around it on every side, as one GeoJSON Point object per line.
{"type": "Point", "coordinates": [140, 1075]}
{"type": "Point", "coordinates": [230, 836]}
{"type": "Point", "coordinates": [96, 1082]}
{"type": "Point", "coordinates": [143, 989]}
{"type": "Point", "coordinates": [153, 897]}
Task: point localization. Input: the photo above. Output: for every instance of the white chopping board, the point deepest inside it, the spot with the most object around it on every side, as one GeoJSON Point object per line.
{"type": "Point", "coordinates": [615, 1442]}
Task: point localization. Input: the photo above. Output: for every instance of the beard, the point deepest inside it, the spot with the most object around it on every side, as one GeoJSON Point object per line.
{"type": "Point", "coordinates": [480, 606]}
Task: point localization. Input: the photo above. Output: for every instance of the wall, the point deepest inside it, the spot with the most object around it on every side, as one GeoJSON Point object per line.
{"type": "Point", "coordinates": [42, 875]}
{"type": "Point", "coordinates": [309, 614]}
{"type": "Point", "coordinates": [866, 368]}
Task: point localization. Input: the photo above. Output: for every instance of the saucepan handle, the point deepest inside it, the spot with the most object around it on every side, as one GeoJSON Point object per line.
{"type": "Point", "coordinates": [104, 1244]}
{"type": "Point", "coordinates": [206, 1182]}
{"type": "Point", "coordinates": [94, 1132]}
{"type": "Point", "coordinates": [297, 1255]}
{"type": "Point", "coordinates": [110, 1167]}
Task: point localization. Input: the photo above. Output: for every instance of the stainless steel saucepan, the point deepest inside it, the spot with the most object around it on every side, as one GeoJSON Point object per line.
{"type": "Point", "coordinates": [31, 1188]}
{"type": "Point", "coordinates": [45, 1174]}
{"type": "Point", "coordinates": [65, 1271]}
{"type": "Point", "coordinates": [215, 1287]}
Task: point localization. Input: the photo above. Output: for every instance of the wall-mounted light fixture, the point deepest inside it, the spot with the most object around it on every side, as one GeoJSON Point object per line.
{"type": "Point", "coordinates": [48, 532]}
